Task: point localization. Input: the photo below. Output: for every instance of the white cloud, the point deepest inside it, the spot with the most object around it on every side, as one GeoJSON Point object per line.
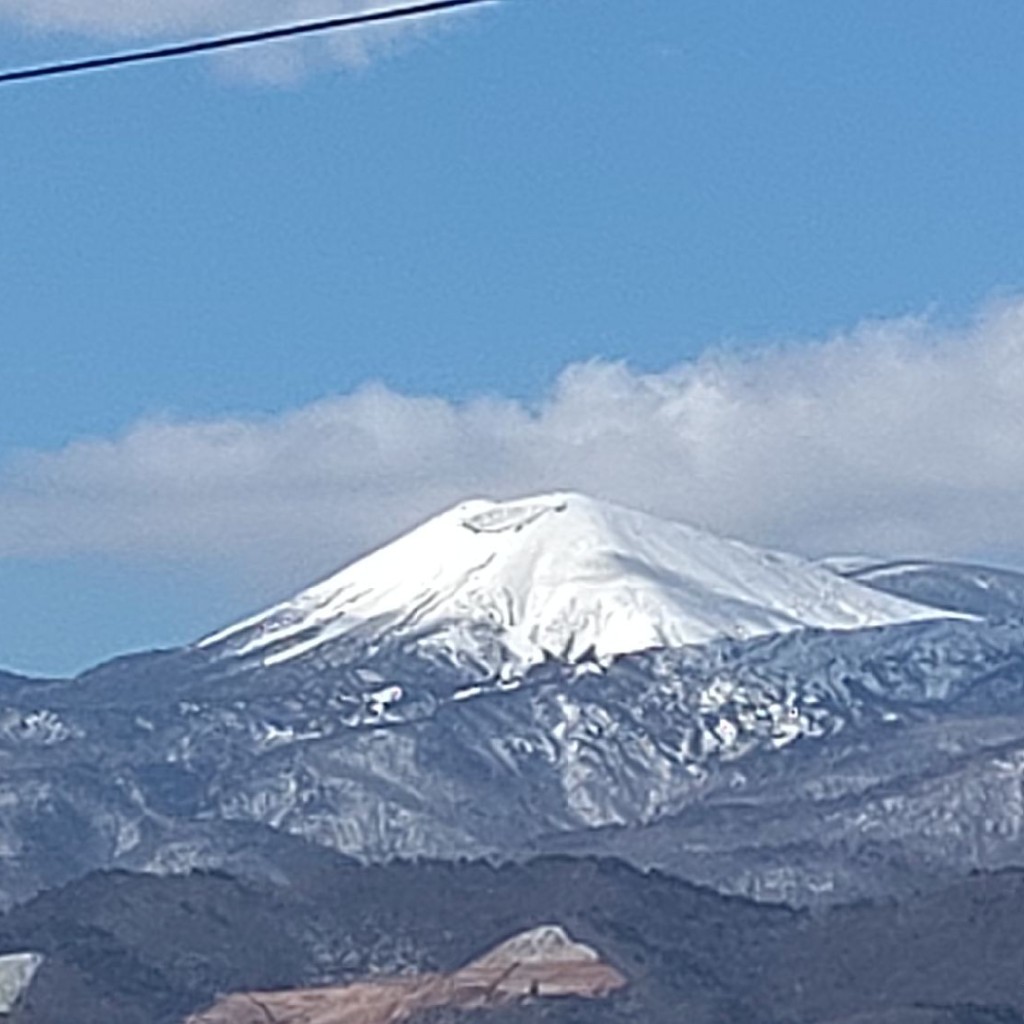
{"type": "Point", "coordinates": [134, 20]}
{"type": "Point", "coordinates": [898, 437]}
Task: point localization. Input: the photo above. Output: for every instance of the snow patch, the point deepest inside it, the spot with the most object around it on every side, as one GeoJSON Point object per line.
{"type": "Point", "coordinates": [17, 970]}
{"type": "Point", "coordinates": [547, 944]}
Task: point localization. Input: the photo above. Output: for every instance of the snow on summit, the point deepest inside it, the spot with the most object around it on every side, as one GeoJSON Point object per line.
{"type": "Point", "coordinates": [565, 576]}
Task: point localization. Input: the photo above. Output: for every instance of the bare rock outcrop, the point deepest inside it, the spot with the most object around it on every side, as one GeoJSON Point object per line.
{"type": "Point", "coordinates": [542, 963]}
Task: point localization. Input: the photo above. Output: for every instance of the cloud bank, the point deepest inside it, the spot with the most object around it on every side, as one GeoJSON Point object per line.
{"type": "Point", "coordinates": [900, 437]}
{"type": "Point", "coordinates": [133, 20]}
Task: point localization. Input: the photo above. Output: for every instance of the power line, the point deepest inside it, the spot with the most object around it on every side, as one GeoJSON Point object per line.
{"type": "Point", "coordinates": [241, 39]}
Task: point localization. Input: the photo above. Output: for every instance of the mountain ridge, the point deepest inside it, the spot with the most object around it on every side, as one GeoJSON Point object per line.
{"type": "Point", "coordinates": [144, 950]}
{"type": "Point", "coordinates": [809, 766]}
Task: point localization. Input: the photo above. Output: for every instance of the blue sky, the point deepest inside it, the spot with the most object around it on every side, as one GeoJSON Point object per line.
{"type": "Point", "coordinates": [490, 201]}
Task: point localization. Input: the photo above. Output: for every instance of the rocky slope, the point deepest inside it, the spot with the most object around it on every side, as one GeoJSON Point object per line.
{"type": "Point", "coordinates": [542, 963]}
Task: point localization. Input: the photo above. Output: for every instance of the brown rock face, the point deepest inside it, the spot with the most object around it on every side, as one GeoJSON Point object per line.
{"type": "Point", "coordinates": [541, 963]}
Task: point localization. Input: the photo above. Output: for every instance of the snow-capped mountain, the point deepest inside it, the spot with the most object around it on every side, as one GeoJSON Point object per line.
{"type": "Point", "coordinates": [511, 584]}
{"type": "Point", "coordinates": [514, 676]}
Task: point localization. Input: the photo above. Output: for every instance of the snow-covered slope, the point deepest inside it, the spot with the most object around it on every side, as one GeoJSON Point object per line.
{"type": "Point", "coordinates": [560, 575]}
{"type": "Point", "coordinates": [982, 591]}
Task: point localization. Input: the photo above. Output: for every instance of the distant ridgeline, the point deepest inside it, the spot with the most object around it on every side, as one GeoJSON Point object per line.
{"type": "Point", "coordinates": [570, 941]}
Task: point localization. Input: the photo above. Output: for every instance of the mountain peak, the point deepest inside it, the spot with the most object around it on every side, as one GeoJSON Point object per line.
{"type": "Point", "coordinates": [560, 575]}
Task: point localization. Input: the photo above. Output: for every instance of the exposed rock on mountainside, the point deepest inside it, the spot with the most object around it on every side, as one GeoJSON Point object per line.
{"type": "Point", "coordinates": [541, 963]}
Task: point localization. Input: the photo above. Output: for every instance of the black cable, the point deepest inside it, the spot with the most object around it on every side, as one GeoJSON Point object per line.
{"type": "Point", "coordinates": [241, 39]}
